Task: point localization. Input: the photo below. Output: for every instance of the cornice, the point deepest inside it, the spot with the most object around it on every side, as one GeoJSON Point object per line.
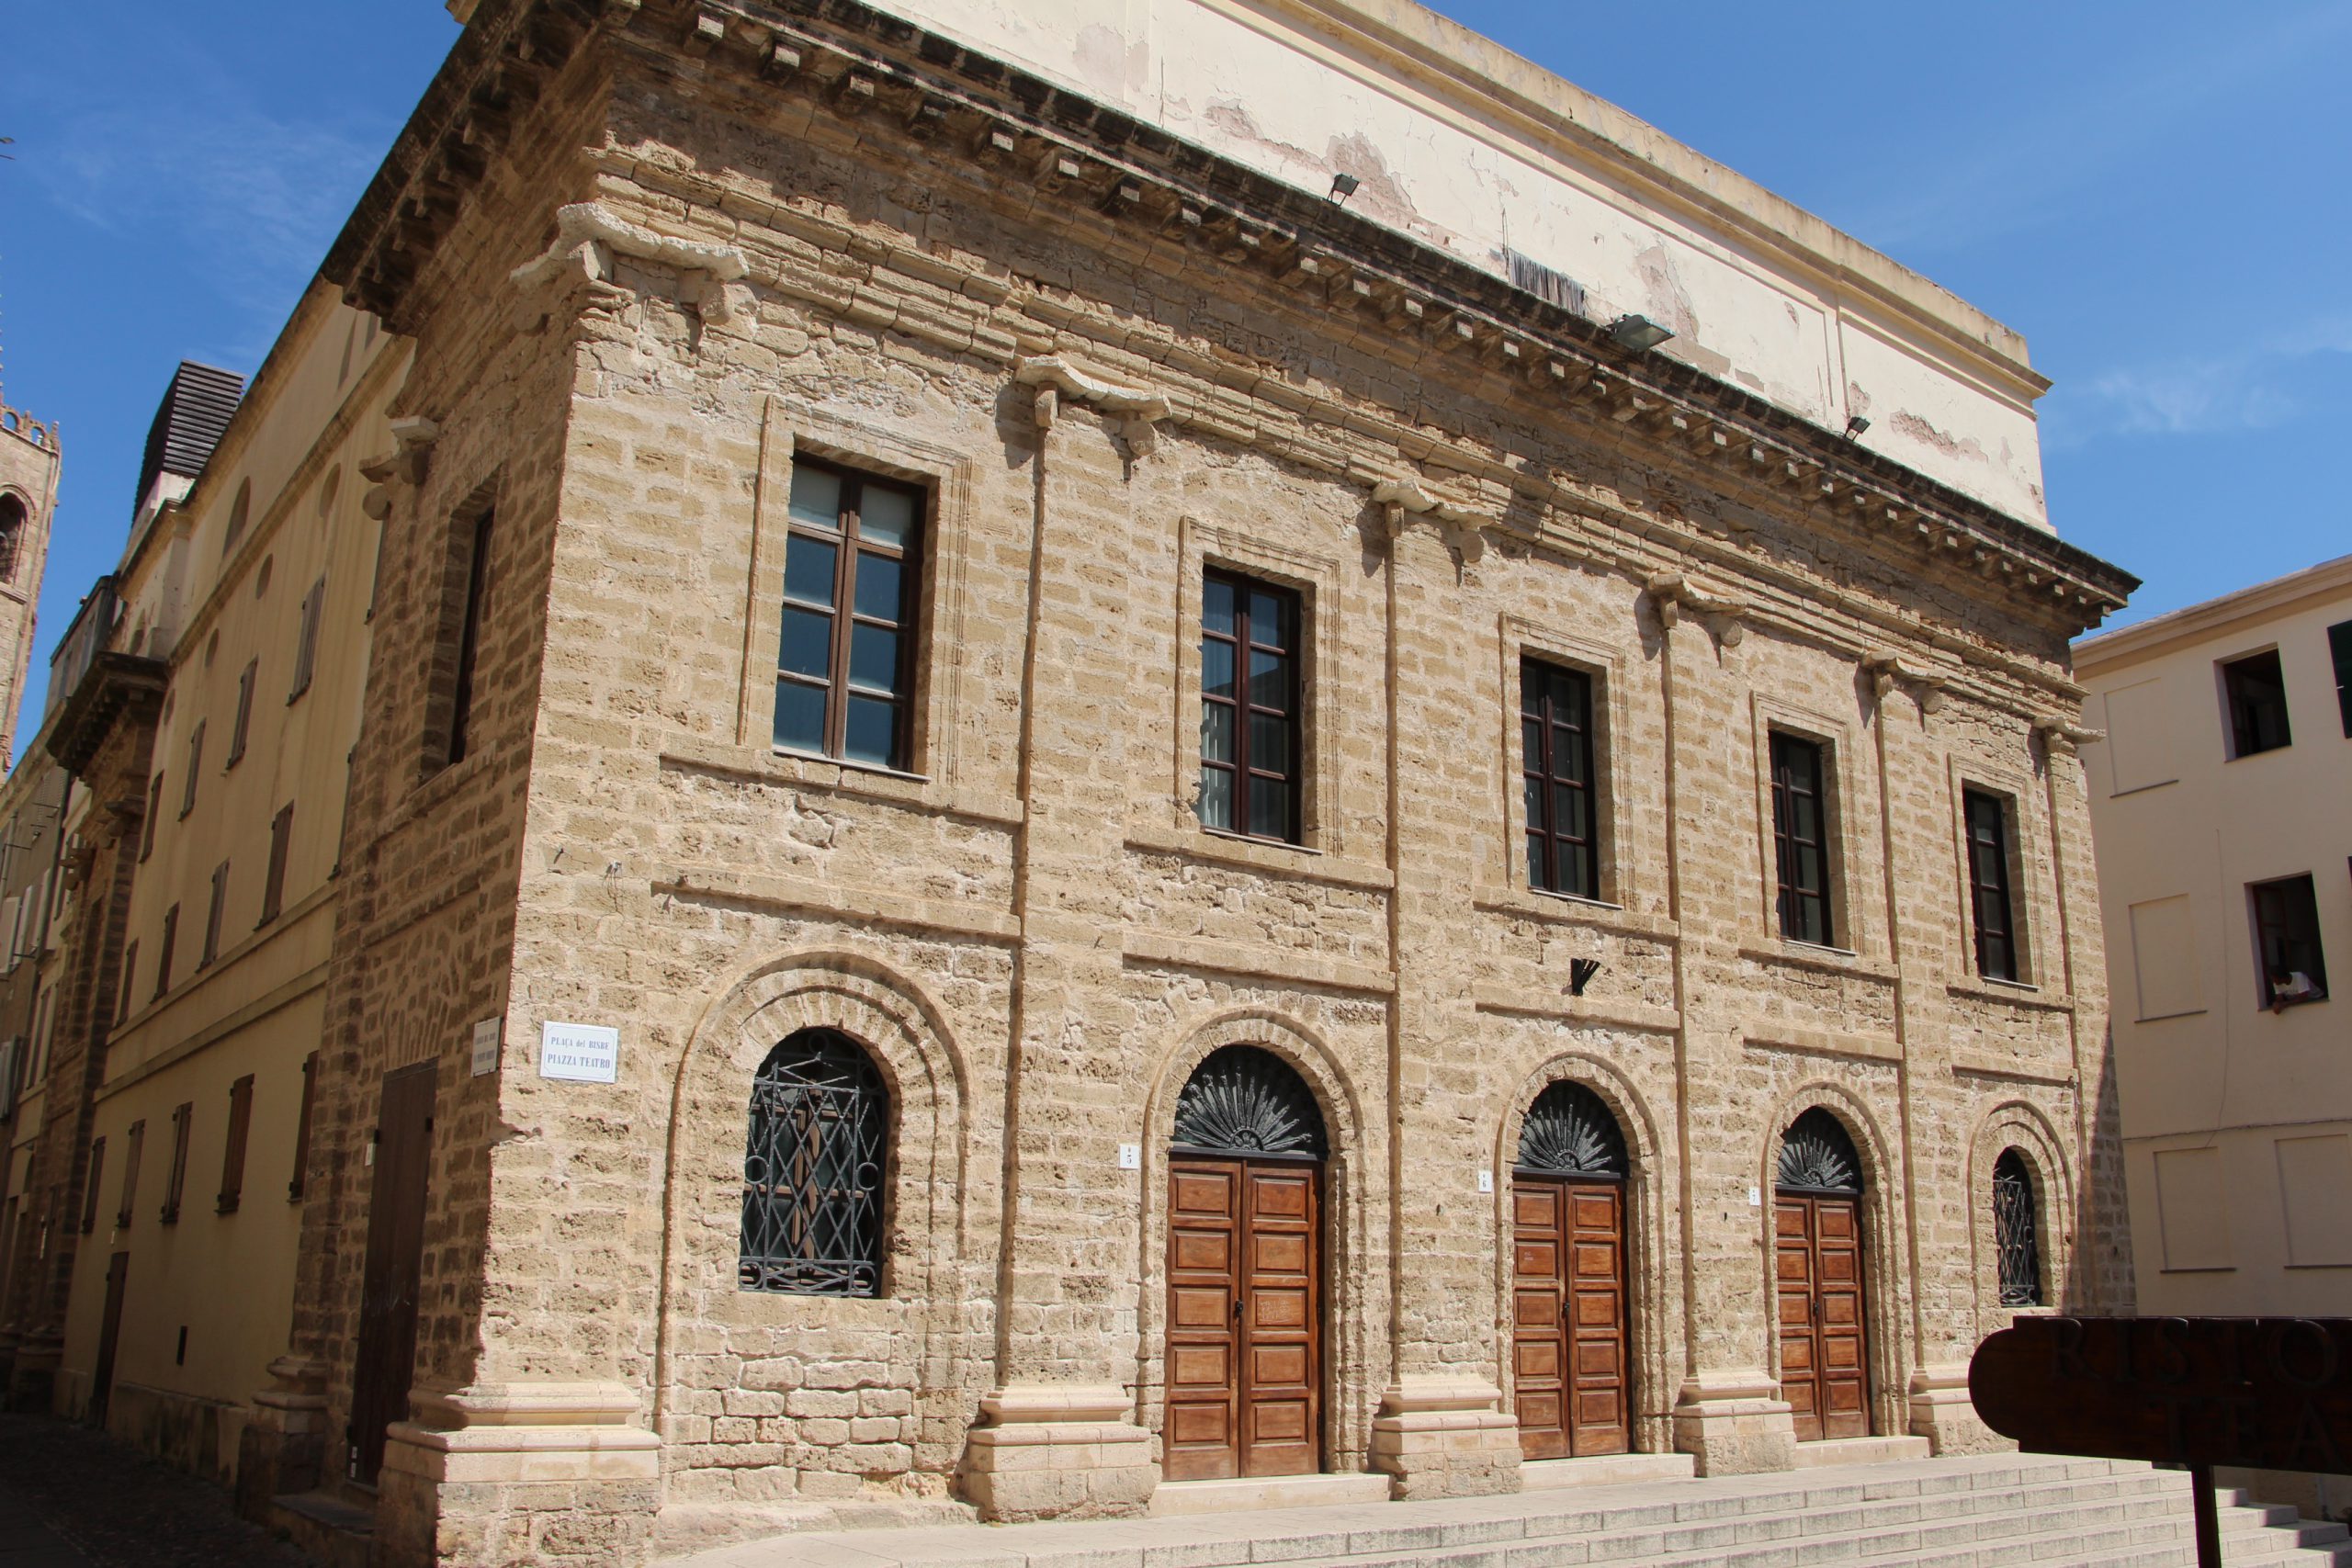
{"type": "Point", "coordinates": [2247, 607]}
{"type": "Point", "coordinates": [1078, 155]}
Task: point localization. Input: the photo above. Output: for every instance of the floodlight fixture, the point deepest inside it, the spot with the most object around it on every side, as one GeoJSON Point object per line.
{"type": "Point", "coordinates": [1637, 332]}
{"type": "Point", "coordinates": [1342, 188]}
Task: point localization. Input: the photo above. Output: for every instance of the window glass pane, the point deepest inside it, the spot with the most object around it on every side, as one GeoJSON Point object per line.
{"type": "Point", "coordinates": [874, 659]}
{"type": "Point", "coordinates": [1269, 808]}
{"type": "Point", "coordinates": [1567, 812]}
{"type": "Point", "coordinates": [876, 592]}
{"type": "Point", "coordinates": [1269, 680]}
{"type": "Point", "coordinates": [1266, 628]}
{"type": "Point", "coordinates": [885, 515]}
{"type": "Point", "coordinates": [799, 716]}
{"type": "Point", "coordinates": [1216, 798]}
{"type": "Point", "coordinates": [1804, 817]}
{"type": "Point", "coordinates": [1535, 860]}
{"type": "Point", "coordinates": [806, 647]}
{"type": "Point", "coordinates": [1216, 733]}
{"type": "Point", "coordinates": [1532, 801]}
{"type": "Point", "coordinates": [1216, 606]}
{"type": "Point", "coordinates": [808, 570]}
{"type": "Point", "coordinates": [871, 732]}
{"type": "Point", "coordinates": [1216, 669]}
{"type": "Point", "coordinates": [1568, 754]}
{"type": "Point", "coordinates": [816, 496]}
{"type": "Point", "coordinates": [1269, 743]}
{"type": "Point", "coordinates": [1531, 740]}
{"type": "Point", "coordinates": [1576, 869]}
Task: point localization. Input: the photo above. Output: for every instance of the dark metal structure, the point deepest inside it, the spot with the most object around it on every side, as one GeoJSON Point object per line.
{"type": "Point", "coordinates": [812, 1169]}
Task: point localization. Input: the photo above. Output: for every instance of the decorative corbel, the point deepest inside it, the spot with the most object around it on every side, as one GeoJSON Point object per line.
{"type": "Point", "coordinates": [1890, 671]}
{"type": "Point", "coordinates": [1402, 500]}
{"type": "Point", "coordinates": [1139, 410]}
{"type": "Point", "coordinates": [1672, 595]}
{"type": "Point", "coordinates": [2061, 738]}
{"type": "Point", "coordinates": [587, 238]}
{"type": "Point", "coordinates": [413, 441]}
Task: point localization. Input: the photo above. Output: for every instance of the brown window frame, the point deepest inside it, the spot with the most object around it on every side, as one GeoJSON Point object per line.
{"type": "Point", "coordinates": [850, 545]}
{"type": "Point", "coordinates": [459, 733]}
{"type": "Point", "coordinates": [176, 1184]}
{"type": "Point", "coordinates": [238, 730]}
{"type": "Point", "coordinates": [1793, 900]}
{"type": "Point", "coordinates": [164, 952]}
{"type": "Point", "coordinates": [154, 815]}
{"type": "Point", "coordinates": [195, 768]}
{"type": "Point", "coordinates": [273, 886]}
{"type": "Point", "coordinates": [302, 1128]}
{"type": "Point", "coordinates": [1992, 903]}
{"type": "Point", "coordinates": [1557, 754]}
{"type": "Point", "coordinates": [133, 1141]}
{"type": "Point", "coordinates": [2254, 687]}
{"type": "Point", "coordinates": [2284, 914]}
{"type": "Point", "coordinates": [306, 640]}
{"type": "Point", "coordinates": [232, 1152]}
{"type": "Point", "coordinates": [90, 1192]}
{"type": "Point", "coordinates": [2339, 658]}
{"type": "Point", "coordinates": [212, 917]}
{"type": "Point", "coordinates": [1242, 768]}
{"type": "Point", "coordinates": [130, 978]}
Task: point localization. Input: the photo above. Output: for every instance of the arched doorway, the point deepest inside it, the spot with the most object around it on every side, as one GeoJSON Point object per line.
{"type": "Point", "coordinates": [1818, 1269]}
{"type": "Point", "coordinates": [1571, 1351]}
{"type": "Point", "coordinates": [1245, 1284]}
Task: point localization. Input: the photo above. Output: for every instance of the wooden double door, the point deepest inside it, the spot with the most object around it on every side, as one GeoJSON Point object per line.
{"type": "Point", "coordinates": [1571, 1361]}
{"type": "Point", "coordinates": [1245, 1318]}
{"type": "Point", "coordinates": [1825, 1355]}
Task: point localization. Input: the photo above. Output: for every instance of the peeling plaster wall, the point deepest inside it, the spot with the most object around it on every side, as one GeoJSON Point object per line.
{"type": "Point", "coordinates": [1466, 147]}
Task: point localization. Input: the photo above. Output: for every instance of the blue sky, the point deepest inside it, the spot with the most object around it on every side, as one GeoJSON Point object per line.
{"type": "Point", "coordinates": [2153, 193]}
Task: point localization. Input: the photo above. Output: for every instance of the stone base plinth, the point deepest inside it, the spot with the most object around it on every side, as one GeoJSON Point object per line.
{"type": "Point", "coordinates": [507, 1474]}
{"type": "Point", "coordinates": [1943, 1413]}
{"type": "Point", "coordinates": [1445, 1438]}
{"type": "Point", "coordinates": [283, 1446]}
{"type": "Point", "coordinates": [32, 1373]}
{"type": "Point", "coordinates": [1057, 1452]}
{"type": "Point", "coordinates": [1734, 1423]}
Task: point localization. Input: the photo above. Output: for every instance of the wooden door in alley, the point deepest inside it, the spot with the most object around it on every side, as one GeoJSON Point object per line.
{"type": "Point", "coordinates": [109, 1336]}
{"type": "Point", "coordinates": [386, 1364]}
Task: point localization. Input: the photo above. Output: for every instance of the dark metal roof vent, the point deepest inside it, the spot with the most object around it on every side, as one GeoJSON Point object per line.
{"type": "Point", "coordinates": [189, 423]}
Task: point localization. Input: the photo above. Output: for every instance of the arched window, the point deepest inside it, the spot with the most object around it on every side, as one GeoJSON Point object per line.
{"type": "Point", "coordinates": [239, 508]}
{"type": "Point", "coordinates": [2013, 1230]}
{"type": "Point", "coordinates": [813, 1166]}
{"type": "Point", "coordinates": [12, 530]}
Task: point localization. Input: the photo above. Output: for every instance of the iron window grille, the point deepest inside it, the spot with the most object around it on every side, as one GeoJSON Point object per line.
{"type": "Point", "coordinates": [1244, 1101]}
{"type": "Point", "coordinates": [1818, 1154]}
{"type": "Point", "coordinates": [1249, 690]}
{"type": "Point", "coordinates": [1801, 839]}
{"type": "Point", "coordinates": [1569, 1132]}
{"type": "Point", "coordinates": [844, 673]}
{"type": "Point", "coordinates": [2257, 688]}
{"type": "Point", "coordinates": [813, 1169]}
{"type": "Point", "coordinates": [2287, 942]}
{"type": "Point", "coordinates": [1990, 907]}
{"type": "Point", "coordinates": [1555, 733]}
{"type": "Point", "coordinates": [2013, 1230]}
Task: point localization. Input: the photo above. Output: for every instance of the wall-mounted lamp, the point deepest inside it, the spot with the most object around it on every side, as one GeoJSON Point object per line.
{"type": "Point", "coordinates": [1856, 426]}
{"type": "Point", "coordinates": [1637, 332]}
{"type": "Point", "coordinates": [1342, 188]}
{"type": "Point", "coordinates": [1580, 973]}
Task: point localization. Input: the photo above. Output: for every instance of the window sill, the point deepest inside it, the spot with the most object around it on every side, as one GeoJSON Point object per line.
{"type": "Point", "coordinates": [2008, 993]}
{"type": "Point", "coordinates": [1566, 909]}
{"type": "Point", "coordinates": [2265, 751]}
{"type": "Point", "coordinates": [848, 766]}
{"type": "Point", "coordinates": [1812, 956]}
{"type": "Point", "coordinates": [2291, 1003]}
{"type": "Point", "coordinates": [1302, 860]}
{"type": "Point", "coordinates": [769, 765]}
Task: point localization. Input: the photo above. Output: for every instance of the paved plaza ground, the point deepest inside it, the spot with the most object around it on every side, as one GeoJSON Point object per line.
{"type": "Point", "coordinates": [70, 1498]}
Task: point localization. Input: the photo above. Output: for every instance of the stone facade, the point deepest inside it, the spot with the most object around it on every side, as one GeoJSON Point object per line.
{"type": "Point", "coordinates": [648, 260]}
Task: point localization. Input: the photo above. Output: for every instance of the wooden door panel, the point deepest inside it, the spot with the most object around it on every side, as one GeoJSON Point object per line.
{"type": "Point", "coordinates": [1280, 1393]}
{"type": "Point", "coordinates": [1539, 1343]}
{"type": "Point", "coordinates": [385, 1363]}
{"type": "Point", "coordinates": [1569, 1352]}
{"type": "Point", "coordinates": [1199, 1438]}
{"type": "Point", "coordinates": [1824, 1360]}
{"type": "Point", "coordinates": [1244, 1334]}
{"type": "Point", "coordinates": [1602, 1408]}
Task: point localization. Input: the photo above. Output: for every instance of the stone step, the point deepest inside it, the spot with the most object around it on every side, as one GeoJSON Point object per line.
{"type": "Point", "coordinates": [1606, 1470]}
{"type": "Point", "coordinates": [1859, 1450]}
{"type": "Point", "coordinates": [1180, 1497]}
{"type": "Point", "coordinates": [326, 1526]}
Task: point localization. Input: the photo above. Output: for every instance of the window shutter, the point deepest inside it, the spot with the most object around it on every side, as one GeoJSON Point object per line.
{"type": "Point", "coordinates": [232, 1157]}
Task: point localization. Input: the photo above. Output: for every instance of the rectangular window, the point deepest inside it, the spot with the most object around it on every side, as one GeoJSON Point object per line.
{"type": "Point", "coordinates": [232, 1156]}
{"type": "Point", "coordinates": [175, 1181]}
{"type": "Point", "coordinates": [302, 1128]}
{"type": "Point", "coordinates": [1555, 730]}
{"type": "Point", "coordinates": [130, 977]}
{"type": "Point", "coordinates": [244, 714]}
{"type": "Point", "coordinates": [306, 643]}
{"type": "Point", "coordinates": [1250, 770]}
{"type": "Point", "coordinates": [132, 1142]}
{"type": "Point", "coordinates": [195, 765]}
{"type": "Point", "coordinates": [273, 886]}
{"type": "Point", "coordinates": [212, 917]}
{"type": "Point", "coordinates": [2286, 944]}
{"type": "Point", "coordinates": [90, 1193]}
{"type": "Point", "coordinates": [164, 950]}
{"type": "Point", "coordinates": [461, 697]}
{"type": "Point", "coordinates": [1990, 907]}
{"type": "Point", "coordinates": [2340, 654]}
{"type": "Point", "coordinates": [2256, 688]}
{"type": "Point", "coordinates": [1800, 839]}
{"type": "Point", "coordinates": [844, 667]}
{"type": "Point", "coordinates": [154, 811]}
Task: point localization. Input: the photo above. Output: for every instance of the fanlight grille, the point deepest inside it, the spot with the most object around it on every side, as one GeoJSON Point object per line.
{"type": "Point", "coordinates": [1817, 1156]}
{"type": "Point", "coordinates": [2021, 1250]}
{"type": "Point", "coordinates": [812, 1170]}
{"type": "Point", "coordinates": [1569, 1132]}
{"type": "Point", "coordinates": [1244, 1100]}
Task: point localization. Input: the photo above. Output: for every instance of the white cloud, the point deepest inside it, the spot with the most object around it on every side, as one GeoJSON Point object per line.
{"type": "Point", "coordinates": [2194, 396]}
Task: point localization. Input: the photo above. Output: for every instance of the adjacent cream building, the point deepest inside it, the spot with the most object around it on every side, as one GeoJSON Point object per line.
{"type": "Point", "coordinates": [2222, 800]}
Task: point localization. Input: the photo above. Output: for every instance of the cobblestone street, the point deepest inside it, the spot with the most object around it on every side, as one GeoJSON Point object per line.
{"type": "Point", "coordinates": [70, 1498]}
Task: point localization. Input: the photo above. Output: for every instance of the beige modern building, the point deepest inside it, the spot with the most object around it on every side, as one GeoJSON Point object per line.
{"type": "Point", "coordinates": [1068, 767]}
{"type": "Point", "coordinates": [2221, 797]}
